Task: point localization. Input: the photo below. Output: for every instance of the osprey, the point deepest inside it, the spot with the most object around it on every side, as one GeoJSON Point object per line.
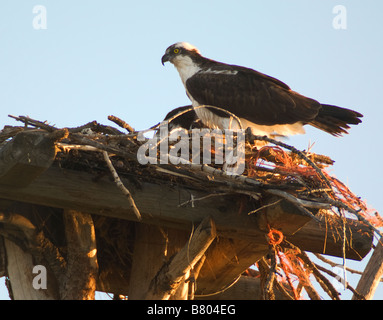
{"type": "Point", "coordinates": [182, 117]}
{"type": "Point", "coordinates": [221, 93]}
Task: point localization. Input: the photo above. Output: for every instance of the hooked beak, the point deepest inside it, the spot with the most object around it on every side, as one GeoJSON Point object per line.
{"type": "Point", "coordinates": [165, 58]}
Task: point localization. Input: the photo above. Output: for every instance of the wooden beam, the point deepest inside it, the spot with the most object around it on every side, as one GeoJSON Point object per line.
{"type": "Point", "coordinates": [3, 260]}
{"type": "Point", "coordinates": [322, 237]}
{"type": "Point", "coordinates": [28, 155]}
{"type": "Point", "coordinates": [282, 215]}
{"type": "Point", "coordinates": [63, 188]}
{"type": "Point", "coordinates": [226, 259]}
{"type": "Point", "coordinates": [82, 267]}
{"type": "Point", "coordinates": [28, 283]}
{"type": "Point", "coordinates": [148, 256]}
{"type": "Point", "coordinates": [154, 246]}
{"type": "Point", "coordinates": [78, 190]}
{"type": "Point", "coordinates": [170, 276]}
{"type": "Point", "coordinates": [372, 274]}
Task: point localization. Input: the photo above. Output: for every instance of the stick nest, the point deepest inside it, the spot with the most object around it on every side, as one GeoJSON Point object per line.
{"type": "Point", "coordinates": [275, 168]}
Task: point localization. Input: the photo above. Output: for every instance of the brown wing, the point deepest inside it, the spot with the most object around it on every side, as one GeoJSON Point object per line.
{"type": "Point", "coordinates": [251, 95]}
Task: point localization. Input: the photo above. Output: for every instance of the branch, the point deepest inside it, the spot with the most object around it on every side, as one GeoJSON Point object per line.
{"type": "Point", "coordinates": [121, 186]}
{"type": "Point", "coordinates": [35, 123]}
{"type": "Point", "coordinates": [121, 123]}
{"type": "Point", "coordinates": [96, 127]}
{"type": "Point", "coordinates": [93, 125]}
{"type": "Point", "coordinates": [340, 280]}
{"type": "Point", "coordinates": [334, 264]}
{"type": "Point", "coordinates": [371, 275]}
{"type": "Point", "coordinates": [202, 198]}
{"type": "Point", "coordinates": [268, 293]}
{"type": "Point", "coordinates": [322, 280]}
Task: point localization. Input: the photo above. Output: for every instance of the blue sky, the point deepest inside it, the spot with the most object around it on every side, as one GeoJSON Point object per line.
{"type": "Point", "coordinates": [99, 57]}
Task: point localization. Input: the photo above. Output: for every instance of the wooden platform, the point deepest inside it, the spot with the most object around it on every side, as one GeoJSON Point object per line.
{"type": "Point", "coordinates": [40, 185]}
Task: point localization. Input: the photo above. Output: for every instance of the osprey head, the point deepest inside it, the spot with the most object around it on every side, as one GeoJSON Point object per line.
{"type": "Point", "coordinates": [179, 51]}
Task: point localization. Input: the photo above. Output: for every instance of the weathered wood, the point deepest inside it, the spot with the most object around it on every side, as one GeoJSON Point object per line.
{"type": "Point", "coordinates": [25, 284]}
{"type": "Point", "coordinates": [154, 245]}
{"type": "Point", "coordinates": [193, 276]}
{"type": "Point", "coordinates": [77, 190]}
{"type": "Point", "coordinates": [281, 214]}
{"type": "Point", "coordinates": [27, 156]}
{"type": "Point", "coordinates": [166, 282]}
{"type": "Point", "coordinates": [82, 267]}
{"type": "Point", "coordinates": [2, 258]}
{"type": "Point", "coordinates": [148, 256]}
{"type": "Point", "coordinates": [226, 259]}
{"type": "Point", "coordinates": [321, 237]}
{"type": "Point", "coordinates": [372, 274]}
{"type": "Point", "coordinates": [37, 230]}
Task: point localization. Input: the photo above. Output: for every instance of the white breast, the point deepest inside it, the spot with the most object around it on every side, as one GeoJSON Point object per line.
{"type": "Point", "coordinates": [185, 67]}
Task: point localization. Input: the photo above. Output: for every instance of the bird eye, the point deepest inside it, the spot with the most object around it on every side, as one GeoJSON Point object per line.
{"type": "Point", "coordinates": [176, 50]}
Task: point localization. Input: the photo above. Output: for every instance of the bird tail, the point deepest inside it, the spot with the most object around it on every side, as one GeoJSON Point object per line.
{"type": "Point", "coordinates": [336, 120]}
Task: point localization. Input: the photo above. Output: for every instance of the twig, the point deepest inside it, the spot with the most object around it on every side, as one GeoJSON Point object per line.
{"type": "Point", "coordinates": [81, 139]}
{"type": "Point", "coordinates": [265, 206]}
{"type": "Point", "coordinates": [312, 293]}
{"type": "Point", "coordinates": [96, 127]}
{"type": "Point", "coordinates": [268, 293]}
{"type": "Point", "coordinates": [121, 186]}
{"type": "Point", "coordinates": [344, 238]}
{"type": "Point", "coordinates": [121, 123]}
{"type": "Point", "coordinates": [220, 291]}
{"type": "Point", "coordinates": [340, 204]}
{"type": "Point", "coordinates": [283, 290]}
{"type": "Point", "coordinates": [339, 279]}
{"type": "Point", "coordinates": [323, 281]}
{"type": "Point", "coordinates": [93, 125]}
{"type": "Point", "coordinates": [202, 198]}
{"type": "Point", "coordinates": [34, 123]}
{"type": "Point", "coordinates": [65, 147]}
{"type": "Point", "coordinates": [305, 203]}
{"type": "Point", "coordinates": [177, 174]}
{"type": "Point", "coordinates": [318, 190]}
{"type": "Point", "coordinates": [334, 264]}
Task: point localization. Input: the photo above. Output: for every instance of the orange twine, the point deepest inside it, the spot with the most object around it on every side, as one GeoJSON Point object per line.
{"type": "Point", "coordinates": [285, 269]}
{"type": "Point", "coordinates": [275, 237]}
